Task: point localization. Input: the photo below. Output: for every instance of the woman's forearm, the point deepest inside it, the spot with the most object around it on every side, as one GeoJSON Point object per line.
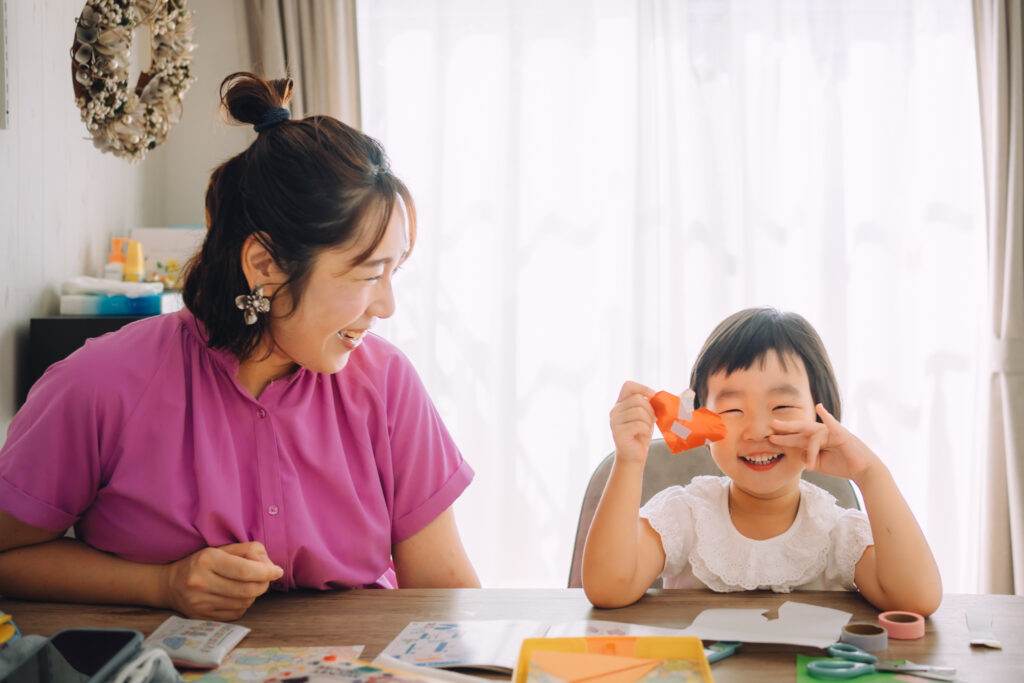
{"type": "Point", "coordinates": [66, 570]}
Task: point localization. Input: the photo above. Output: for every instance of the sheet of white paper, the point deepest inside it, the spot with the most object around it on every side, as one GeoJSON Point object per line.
{"type": "Point", "coordinates": [798, 624]}
{"type": "Point", "coordinates": [435, 674]}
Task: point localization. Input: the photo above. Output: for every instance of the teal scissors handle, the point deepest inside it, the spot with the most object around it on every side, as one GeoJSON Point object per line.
{"type": "Point", "coordinates": [838, 669]}
{"type": "Point", "coordinates": [851, 653]}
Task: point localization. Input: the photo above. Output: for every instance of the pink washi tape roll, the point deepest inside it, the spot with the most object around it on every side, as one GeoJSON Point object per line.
{"type": "Point", "coordinates": [902, 625]}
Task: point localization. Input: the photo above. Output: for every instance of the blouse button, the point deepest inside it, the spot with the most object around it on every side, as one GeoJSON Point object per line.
{"type": "Point", "coordinates": [260, 413]}
{"type": "Point", "coordinates": [273, 510]}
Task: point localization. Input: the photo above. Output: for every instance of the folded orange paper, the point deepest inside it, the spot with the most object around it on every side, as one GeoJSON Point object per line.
{"type": "Point", "coordinates": [584, 667]}
{"type": "Point", "coordinates": [611, 659]}
{"type": "Point", "coordinates": [683, 427]}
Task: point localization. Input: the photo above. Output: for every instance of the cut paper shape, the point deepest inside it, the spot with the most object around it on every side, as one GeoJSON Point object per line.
{"type": "Point", "coordinates": [683, 427]}
{"type": "Point", "coordinates": [798, 624]}
{"type": "Point", "coordinates": [580, 667]}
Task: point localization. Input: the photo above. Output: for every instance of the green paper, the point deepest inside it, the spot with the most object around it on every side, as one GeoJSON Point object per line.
{"type": "Point", "coordinates": [803, 677]}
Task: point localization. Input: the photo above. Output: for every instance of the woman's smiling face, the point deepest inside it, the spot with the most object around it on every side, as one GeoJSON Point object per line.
{"type": "Point", "coordinates": [340, 303]}
{"type": "Point", "coordinates": [748, 400]}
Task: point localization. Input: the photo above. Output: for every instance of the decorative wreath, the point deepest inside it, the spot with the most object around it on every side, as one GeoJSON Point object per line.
{"type": "Point", "coordinates": [126, 120]}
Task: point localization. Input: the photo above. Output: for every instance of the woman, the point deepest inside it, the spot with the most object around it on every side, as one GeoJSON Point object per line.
{"type": "Point", "coordinates": [262, 437]}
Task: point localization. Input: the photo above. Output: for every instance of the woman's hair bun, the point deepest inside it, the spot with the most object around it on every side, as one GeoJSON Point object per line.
{"type": "Point", "coordinates": [247, 97]}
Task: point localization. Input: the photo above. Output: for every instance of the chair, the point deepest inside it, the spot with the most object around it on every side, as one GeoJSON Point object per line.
{"type": "Point", "coordinates": [663, 469]}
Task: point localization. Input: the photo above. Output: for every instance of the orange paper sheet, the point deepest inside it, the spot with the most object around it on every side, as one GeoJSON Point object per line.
{"type": "Point", "coordinates": [684, 430]}
{"type": "Point", "coordinates": [585, 667]}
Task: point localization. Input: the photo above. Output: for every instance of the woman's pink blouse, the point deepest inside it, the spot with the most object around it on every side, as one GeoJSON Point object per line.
{"type": "Point", "coordinates": [146, 443]}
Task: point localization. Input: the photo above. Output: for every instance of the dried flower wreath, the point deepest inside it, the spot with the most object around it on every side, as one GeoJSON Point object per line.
{"type": "Point", "coordinates": [125, 119]}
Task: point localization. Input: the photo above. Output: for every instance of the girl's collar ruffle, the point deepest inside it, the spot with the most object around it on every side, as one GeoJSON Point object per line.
{"type": "Point", "coordinates": [725, 560]}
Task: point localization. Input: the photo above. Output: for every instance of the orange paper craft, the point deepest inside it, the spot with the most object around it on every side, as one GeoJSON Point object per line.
{"type": "Point", "coordinates": [585, 667]}
{"type": "Point", "coordinates": [701, 426]}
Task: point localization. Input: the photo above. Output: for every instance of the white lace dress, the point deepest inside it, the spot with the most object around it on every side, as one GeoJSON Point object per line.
{"type": "Point", "coordinates": [704, 550]}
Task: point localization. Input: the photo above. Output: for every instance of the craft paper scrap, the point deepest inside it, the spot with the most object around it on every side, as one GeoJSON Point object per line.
{"type": "Point", "coordinates": [798, 624]}
{"type": "Point", "coordinates": [464, 644]}
{"type": "Point", "coordinates": [262, 663]}
{"type": "Point", "coordinates": [683, 427]}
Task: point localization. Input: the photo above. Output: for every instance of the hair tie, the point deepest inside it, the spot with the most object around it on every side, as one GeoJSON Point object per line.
{"type": "Point", "coordinates": [272, 117]}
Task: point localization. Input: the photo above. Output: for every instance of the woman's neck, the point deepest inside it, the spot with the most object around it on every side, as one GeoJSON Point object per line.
{"type": "Point", "coordinates": [256, 375]}
{"type": "Point", "coordinates": [763, 517]}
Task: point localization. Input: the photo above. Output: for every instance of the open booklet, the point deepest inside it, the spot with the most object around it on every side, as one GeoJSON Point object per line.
{"type": "Point", "coordinates": [494, 645]}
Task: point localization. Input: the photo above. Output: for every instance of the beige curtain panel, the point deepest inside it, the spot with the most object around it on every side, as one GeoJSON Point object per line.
{"type": "Point", "coordinates": [313, 42]}
{"type": "Point", "coordinates": [998, 27]}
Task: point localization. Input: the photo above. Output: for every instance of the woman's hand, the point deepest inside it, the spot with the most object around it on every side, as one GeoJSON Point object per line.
{"type": "Point", "coordinates": [825, 446]}
{"type": "Point", "coordinates": [219, 583]}
{"type": "Point", "coordinates": [632, 421]}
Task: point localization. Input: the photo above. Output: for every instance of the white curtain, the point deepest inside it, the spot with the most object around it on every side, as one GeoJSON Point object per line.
{"type": "Point", "coordinates": [601, 181]}
{"type": "Point", "coordinates": [998, 25]}
{"type": "Point", "coordinates": [313, 42]}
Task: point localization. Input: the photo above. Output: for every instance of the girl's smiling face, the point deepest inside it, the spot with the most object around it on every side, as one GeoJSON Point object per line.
{"type": "Point", "coordinates": [773, 388]}
{"type": "Point", "coordinates": [339, 305]}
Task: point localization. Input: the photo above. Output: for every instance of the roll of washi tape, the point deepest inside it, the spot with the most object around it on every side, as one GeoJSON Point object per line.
{"type": "Point", "coordinates": [865, 635]}
{"type": "Point", "coordinates": [902, 625]}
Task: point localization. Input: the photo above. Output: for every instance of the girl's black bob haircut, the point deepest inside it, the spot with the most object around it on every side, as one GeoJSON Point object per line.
{"type": "Point", "coordinates": [746, 337]}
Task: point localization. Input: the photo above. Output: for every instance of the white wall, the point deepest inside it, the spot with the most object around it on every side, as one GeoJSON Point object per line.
{"type": "Point", "coordinates": [61, 200]}
{"type": "Point", "coordinates": [177, 173]}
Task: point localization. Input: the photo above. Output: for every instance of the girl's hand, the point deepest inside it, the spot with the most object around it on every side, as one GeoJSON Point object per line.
{"type": "Point", "coordinates": [632, 421]}
{"type": "Point", "coordinates": [825, 446]}
{"type": "Point", "coordinates": [219, 583]}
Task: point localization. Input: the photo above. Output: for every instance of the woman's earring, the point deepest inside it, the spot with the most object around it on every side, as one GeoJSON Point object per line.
{"type": "Point", "coordinates": [253, 304]}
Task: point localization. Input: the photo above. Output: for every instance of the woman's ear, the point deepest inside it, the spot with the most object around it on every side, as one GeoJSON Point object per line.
{"type": "Point", "coordinates": [259, 265]}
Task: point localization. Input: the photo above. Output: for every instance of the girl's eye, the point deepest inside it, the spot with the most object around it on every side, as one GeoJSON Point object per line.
{"type": "Point", "coordinates": [784, 408]}
{"type": "Point", "coordinates": [731, 411]}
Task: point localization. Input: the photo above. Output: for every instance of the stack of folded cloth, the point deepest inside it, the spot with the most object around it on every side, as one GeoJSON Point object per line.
{"type": "Point", "coordinates": [96, 296]}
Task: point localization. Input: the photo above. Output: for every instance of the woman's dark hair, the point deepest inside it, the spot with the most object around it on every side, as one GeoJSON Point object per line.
{"type": "Point", "coordinates": [300, 188]}
{"type": "Point", "coordinates": [746, 337]}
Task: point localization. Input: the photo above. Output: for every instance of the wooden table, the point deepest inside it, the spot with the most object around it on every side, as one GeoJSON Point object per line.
{"type": "Point", "coordinates": [374, 617]}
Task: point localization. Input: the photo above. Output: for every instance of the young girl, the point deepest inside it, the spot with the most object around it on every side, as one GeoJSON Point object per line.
{"type": "Point", "coordinates": [761, 526]}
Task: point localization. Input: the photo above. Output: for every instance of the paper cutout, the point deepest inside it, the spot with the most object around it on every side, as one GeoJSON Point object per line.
{"type": "Point", "coordinates": [798, 624]}
{"type": "Point", "coordinates": [580, 667]}
{"type": "Point", "coordinates": [683, 427]}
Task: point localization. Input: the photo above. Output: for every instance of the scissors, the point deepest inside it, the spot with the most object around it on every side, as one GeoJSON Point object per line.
{"type": "Point", "coordinates": [853, 662]}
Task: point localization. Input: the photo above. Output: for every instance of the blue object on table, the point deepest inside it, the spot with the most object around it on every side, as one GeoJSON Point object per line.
{"type": "Point", "coordinates": [721, 650]}
{"type": "Point", "coordinates": [853, 662]}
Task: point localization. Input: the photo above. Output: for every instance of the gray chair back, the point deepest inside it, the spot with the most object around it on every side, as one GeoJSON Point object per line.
{"type": "Point", "coordinates": [663, 469]}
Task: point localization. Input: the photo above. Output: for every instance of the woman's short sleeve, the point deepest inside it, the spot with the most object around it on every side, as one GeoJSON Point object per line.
{"type": "Point", "coordinates": [58, 432]}
{"type": "Point", "coordinates": [670, 516]}
{"type": "Point", "coordinates": [429, 471]}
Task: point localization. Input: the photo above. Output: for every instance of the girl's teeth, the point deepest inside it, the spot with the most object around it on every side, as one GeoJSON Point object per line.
{"type": "Point", "coordinates": [763, 460]}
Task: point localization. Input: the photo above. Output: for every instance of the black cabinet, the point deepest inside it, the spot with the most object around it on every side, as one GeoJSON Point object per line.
{"type": "Point", "coordinates": [55, 338]}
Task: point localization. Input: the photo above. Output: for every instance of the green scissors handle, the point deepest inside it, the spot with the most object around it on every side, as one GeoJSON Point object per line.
{"type": "Point", "coordinates": [838, 669]}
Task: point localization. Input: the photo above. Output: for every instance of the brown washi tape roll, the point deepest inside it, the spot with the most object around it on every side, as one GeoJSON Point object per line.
{"type": "Point", "coordinates": [865, 635]}
{"type": "Point", "coordinates": [902, 625]}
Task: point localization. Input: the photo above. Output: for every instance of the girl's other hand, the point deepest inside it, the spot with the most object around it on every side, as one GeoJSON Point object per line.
{"type": "Point", "coordinates": [826, 446]}
{"type": "Point", "coordinates": [632, 421]}
{"type": "Point", "coordinates": [219, 583]}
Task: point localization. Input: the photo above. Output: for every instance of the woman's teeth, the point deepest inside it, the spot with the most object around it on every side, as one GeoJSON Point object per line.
{"type": "Point", "coordinates": [761, 459]}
